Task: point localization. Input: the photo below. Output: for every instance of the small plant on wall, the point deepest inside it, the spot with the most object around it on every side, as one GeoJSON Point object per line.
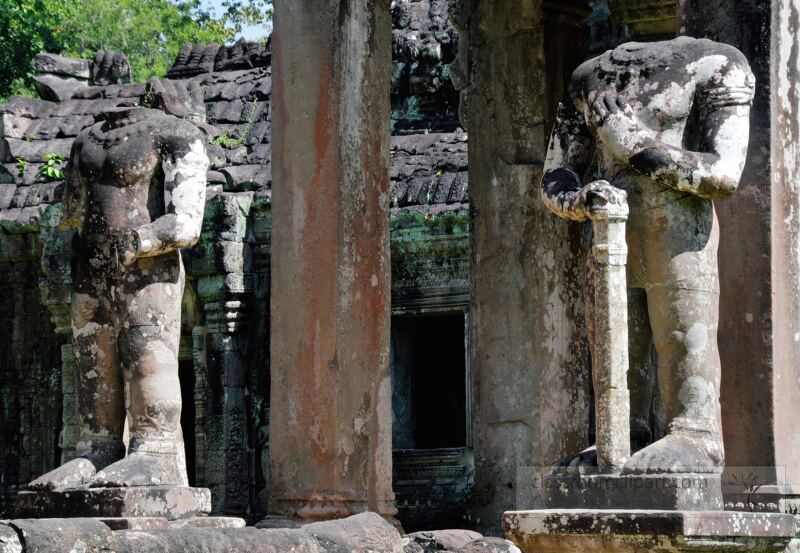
{"type": "Point", "coordinates": [52, 169]}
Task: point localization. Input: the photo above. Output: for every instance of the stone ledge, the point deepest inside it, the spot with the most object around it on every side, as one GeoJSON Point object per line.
{"type": "Point", "coordinates": [360, 533]}
{"type": "Point", "coordinates": [568, 530]}
{"type": "Point", "coordinates": [170, 502]}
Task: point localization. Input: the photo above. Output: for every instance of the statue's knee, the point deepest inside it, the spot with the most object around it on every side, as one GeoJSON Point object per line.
{"type": "Point", "coordinates": [145, 353]}
{"type": "Point", "coordinates": [693, 340]}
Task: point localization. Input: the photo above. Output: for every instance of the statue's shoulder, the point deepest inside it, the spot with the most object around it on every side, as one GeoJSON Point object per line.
{"type": "Point", "coordinates": [177, 132]}
{"type": "Point", "coordinates": [88, 131]}
{"type": "Point", "coordinates": [705, 47]}
{"type": "Point", "coordinates": [583, 77]}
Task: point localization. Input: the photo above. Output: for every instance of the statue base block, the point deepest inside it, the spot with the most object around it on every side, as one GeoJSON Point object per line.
{"type": "Point", "coordinates": [623, 531]}
{"type": "Point", "coordinates": [168, 502]}
{"type": "Point", "coordinates": [671, 492]}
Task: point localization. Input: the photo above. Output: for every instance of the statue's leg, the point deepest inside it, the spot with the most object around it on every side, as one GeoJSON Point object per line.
{"type": "Point", "coordinates": [100, 389]}
{"type": "Point", "coordinates": [149, 338]}
{"type": "Point", "coordinates": [641, 375]}
{"type": "Point", "coordinates": [684, 322]}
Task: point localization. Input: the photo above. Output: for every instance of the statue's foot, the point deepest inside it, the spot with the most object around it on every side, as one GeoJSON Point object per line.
{"type": "Point", "coordinates": [76, 472]}
{"type": "Point", "coordinates": [679, 453]}
{"type": "Point", "coordinates": [140, 469]}
{"type": "Point", "coordinates": [583, 462]}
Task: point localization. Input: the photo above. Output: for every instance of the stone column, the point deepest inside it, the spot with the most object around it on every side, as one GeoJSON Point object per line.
{"type": "Point", "coordinates": [612, 399]}
{"type": "Point", "coordinates": [55, 287]}
{"type": "Point", "coordinates": [759, 333]}
{"type": "Point", "coordinates": [528, 349]}
{"type": "Point", "coordinates": [330, 408]}
{"type": "Point", "coordinates": [225, 290]}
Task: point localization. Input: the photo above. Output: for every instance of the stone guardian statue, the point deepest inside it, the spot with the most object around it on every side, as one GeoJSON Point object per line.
{"type": "Point", "coordinates": [136, 194]}
{"type": "Point", "coordinates": [669, 122]}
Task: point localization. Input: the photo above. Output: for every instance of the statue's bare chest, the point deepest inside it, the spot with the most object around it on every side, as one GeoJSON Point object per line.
{"type": "Point", "coordinates": [122, 157]}
{"type": "Point", "coordinates": [661, 96]}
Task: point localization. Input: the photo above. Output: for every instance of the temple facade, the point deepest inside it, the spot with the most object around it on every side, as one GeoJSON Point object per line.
{"type": "Point", "coordinates": [381, 314]}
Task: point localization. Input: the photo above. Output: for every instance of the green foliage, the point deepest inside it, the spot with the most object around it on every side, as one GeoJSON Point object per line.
{"type": "Point", "coordinates": [52, 169]}
{"type": "Point", "coordinates": [22, 166]}
{"type": "Point", "coordinates": [225, 140]}
{"type": "Point", "coordinates": [26, 28]}
{"type": "Point", "coordinates": [149, 32]}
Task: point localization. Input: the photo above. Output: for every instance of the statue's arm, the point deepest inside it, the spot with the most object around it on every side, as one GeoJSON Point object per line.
{"type": "Point", "coordinates": [185, 163]}
{"type": "Point", "coordinates": [568, 155]}
{"type": "Point", "coordinates": [73, 201]}
{"type": "Point", "coordinates": [715, 170]}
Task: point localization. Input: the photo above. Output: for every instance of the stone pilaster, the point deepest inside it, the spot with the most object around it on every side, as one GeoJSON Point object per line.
{"type": "Point", "coordinates": [330, 408]}
{"type": "Point", "coordinates": [759, 332]}
{"type": "Point", "coordinates": [224, 287]}
{"type": "Point", "coordinates": [528, 351]}
{"type": "Point", "coordinates": [55, 286]}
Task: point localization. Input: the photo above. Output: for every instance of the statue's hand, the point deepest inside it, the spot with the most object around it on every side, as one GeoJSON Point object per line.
{"type": "Point", "coordinates": [123, 246]}
{"type": "Point", "coordinates": [601, 197]}
{"type": "Point", "coordinates": [618, 131]}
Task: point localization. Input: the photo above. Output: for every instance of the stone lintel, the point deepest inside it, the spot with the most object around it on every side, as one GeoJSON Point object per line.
{"type": "Point", "coordinates": [674, 492]}
{"type": "Point", "coordinates": [169, 502]}
{"type": "Point", "coordinates": [621, 531]}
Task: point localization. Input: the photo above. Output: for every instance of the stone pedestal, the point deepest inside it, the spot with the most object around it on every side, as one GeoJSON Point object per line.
{"type": "Point", "coordinates": [621, 531]}
{"type": "Point", "coordinates": [330, 406]}
{"type": "Point", "coordinates": [169, 502]}
{"type": "Point", "coordinates": [676, 492]}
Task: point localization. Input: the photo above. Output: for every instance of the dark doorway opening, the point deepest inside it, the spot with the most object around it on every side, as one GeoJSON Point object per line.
{"type": "Point", "coordinates": [186, 375]}
{"type": "Point", "coordinates": [429, 374]}
{"type": "Point", "coordinates": [433, 464]}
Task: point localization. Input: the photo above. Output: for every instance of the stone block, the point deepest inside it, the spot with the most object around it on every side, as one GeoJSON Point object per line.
{"type": "Point", "coordinates": [247, 177]}
{"type": "Point", "coordinates": [14, 126]}
{"type": "Point", "coordinates": [237, 111]}
{"type": "Point", "coordinates": [623, 531]}
{"type": "Point", "coordinates": [251, 540]}
{"type": "Point", "coordinates": [490, 545]}
{"type": "Point", "coordinates": [7, 193]}
{"type": "Point", "coordinates": [60, 65]}
{"type": "Point", "coordinates": [443, 540]}
{"type": "Point", "coordinates": [9, 540]}
{"type": "Point", "coordinates": [57, 88]}
{"type": "Point", "coordinates": [259, 154]}
{"type": "Point", "coordinates": [679, 492]}
{"type": "Point", "coordinates": [193, 60]}
{"type": "Point", "coordinates": [208, 522]}
{"type": "Point", "coordinates": [362, 532]}
{"type": "Point", "coordinates": [244, 54]}
{"type": "Point", "coordinates": [171, 502]}
{"type": "Point", "coordinates": [227, 91]}
{"type": "Point", "coordinates": [64, 535]}
{"type": "Point", "coordinates": [12, 148]}
{"type": "Point", "coordinates": [135, 523]}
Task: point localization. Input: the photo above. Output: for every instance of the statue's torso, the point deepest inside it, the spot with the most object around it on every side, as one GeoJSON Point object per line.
{"type": "Point", "coordinates": [120, 168]}
{"type": "Point", "coordinates": [662, 83]}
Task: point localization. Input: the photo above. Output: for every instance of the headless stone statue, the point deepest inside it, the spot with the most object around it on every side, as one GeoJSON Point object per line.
{"type": "Point", "coordinates": [136, 194]}
{"type": "Point", "coordinates": [669, 121]}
